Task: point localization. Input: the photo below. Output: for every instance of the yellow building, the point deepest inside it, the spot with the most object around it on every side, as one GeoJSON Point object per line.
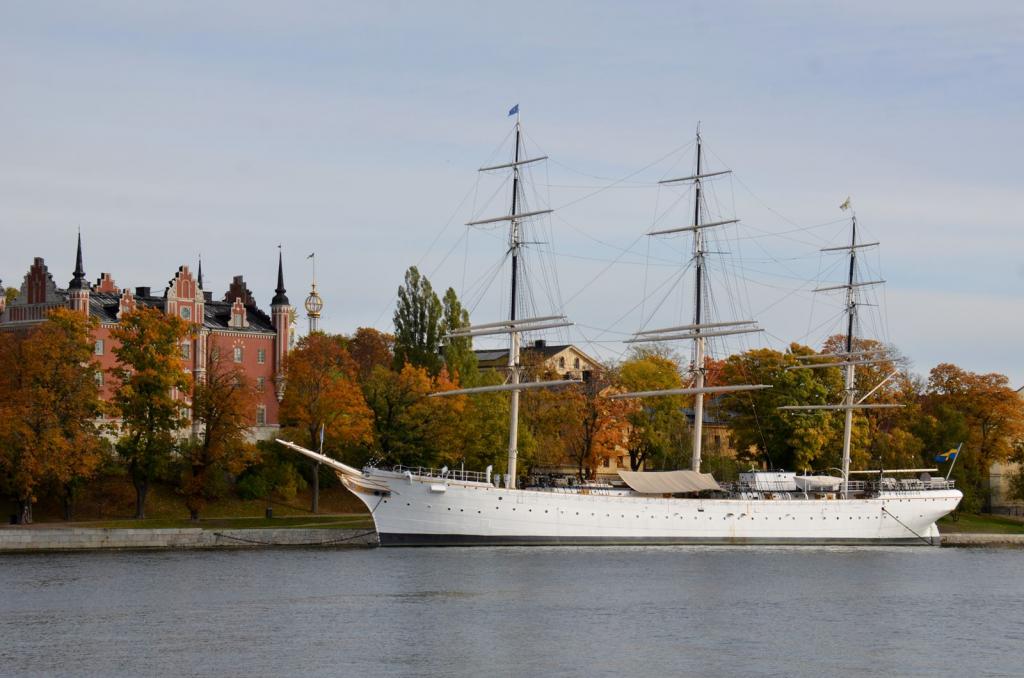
{"type": "Point", "coordinates": [565, 360]}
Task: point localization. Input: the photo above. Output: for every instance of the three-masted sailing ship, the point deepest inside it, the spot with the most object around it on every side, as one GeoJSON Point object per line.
{"type": "Point", "coordinates": [418, 507]}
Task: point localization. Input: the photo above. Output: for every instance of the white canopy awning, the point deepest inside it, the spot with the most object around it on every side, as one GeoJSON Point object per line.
{"type": "Point", "coordinates": [668, 482]}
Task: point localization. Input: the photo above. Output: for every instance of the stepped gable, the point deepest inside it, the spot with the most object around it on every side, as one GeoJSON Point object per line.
{"type": "Point", "coordinates": [239, 290]}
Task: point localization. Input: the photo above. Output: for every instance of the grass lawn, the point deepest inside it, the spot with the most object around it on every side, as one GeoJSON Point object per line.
{"type": "Point", "coordinates": [981, 523]}
{"type": "Point", "coordinates": [110, 502]}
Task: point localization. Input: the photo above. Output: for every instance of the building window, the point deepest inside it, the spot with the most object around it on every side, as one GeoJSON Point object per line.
{"type": "Point", "coordinates": [99, 347]}
{"type": "Point", "coordinates": [261, 383]}
{"type": "Point", "coordinates": [561, 363]}
{"type": "Point", "coordinates": [186, 350]}
{"type": "Point", "coordinates": [238, 354]}
{"type": "Point", "coordinates": [186, 312]}
{"type": "Point", "coordinates": [98, 377]}
{"type": "Point", "coordinates": [261, 356]}
{"type": "Point", "coordinates": [576, 363]}
{"type": "Point", "coordinates": [261, 415]}
{"type": "Point", "coordinates": [607, 462]}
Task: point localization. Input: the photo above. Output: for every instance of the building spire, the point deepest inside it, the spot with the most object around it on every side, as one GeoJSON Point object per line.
{"type": "Point", "coordinates": [280, 298]}
{"type": "Point", "coordinates": [78, 282]}
{"type": "Point", "coordinates": [199, 277]}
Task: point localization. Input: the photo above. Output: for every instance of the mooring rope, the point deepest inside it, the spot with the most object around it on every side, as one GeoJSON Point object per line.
{"type": "Point", "coordinates": [927, 540]}
{"type": "Point", "coordinates": [328, 542]}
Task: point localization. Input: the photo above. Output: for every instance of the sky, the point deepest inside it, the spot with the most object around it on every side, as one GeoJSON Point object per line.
{"type": "Point", "coordinates": [354, 130]}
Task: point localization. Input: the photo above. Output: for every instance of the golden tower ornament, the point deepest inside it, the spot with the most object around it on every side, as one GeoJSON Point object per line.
{"type": "Point", "coordinates": [314, 303]}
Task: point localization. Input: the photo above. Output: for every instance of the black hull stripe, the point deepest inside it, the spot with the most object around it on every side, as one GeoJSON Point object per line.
{"type": "Point", "coordinates": [408, 539]}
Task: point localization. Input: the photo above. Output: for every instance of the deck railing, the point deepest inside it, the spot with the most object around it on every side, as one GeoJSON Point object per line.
{"type": "Point", "coordinates": [444, 473]}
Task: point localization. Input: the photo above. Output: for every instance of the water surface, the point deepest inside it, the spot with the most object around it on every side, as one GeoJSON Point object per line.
{"type": "Point", "coordinates": [531, 611]}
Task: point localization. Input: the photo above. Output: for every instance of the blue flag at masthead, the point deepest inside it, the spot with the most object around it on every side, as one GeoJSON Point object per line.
{"type": "Point", "coordinates": [515, 109]}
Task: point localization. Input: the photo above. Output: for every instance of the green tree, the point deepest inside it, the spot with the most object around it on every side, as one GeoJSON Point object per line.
{"type": "Point", "coordinates": [458, 352]}
{"type": "Point", "coordinates": [418, 324]}
{"type": "Point", "coordinates": [791, 440]}
{"type": "Point", "coordinates": [223, 404]}
{"type": "Point", "coordinates": [10, 294]}
{"type": "Point", "coordinates": [150, 379]}
{"type": "Point", "coordinates": [410, 427]}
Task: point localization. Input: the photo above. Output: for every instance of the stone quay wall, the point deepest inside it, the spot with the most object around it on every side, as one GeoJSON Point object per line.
{"type": "Point", "coordinates": [20, 539]}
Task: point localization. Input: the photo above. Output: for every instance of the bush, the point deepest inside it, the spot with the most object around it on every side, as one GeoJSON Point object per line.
{"type": "Point", "coordinates": [252, 486]}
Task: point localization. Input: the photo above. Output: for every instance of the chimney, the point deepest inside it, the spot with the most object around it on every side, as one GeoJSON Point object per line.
{"type": "Point", "coordinates": [540, 343]}
{"type": "Point", "coordinates": [141, 291]}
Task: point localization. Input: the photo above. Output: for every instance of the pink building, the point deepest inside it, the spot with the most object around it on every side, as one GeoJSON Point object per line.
{"type": "Point", "coordinates": [233, 327]}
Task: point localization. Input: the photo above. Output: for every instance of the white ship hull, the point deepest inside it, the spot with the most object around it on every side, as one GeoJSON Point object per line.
{"type": "Point", "coordinates": [422, 511]}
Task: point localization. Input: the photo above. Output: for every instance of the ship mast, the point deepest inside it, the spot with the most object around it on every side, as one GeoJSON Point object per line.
{"type": "Point", "coordinates": [513, 349]}
{"type": "Point", "coordinates": [849, 359]}
{"type": "Point", "coordinates": [699, 330]}
{"type": "Point", "coordinates": [514, 326]}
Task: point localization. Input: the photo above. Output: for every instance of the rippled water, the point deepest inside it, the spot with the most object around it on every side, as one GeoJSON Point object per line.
{"type": "Point", "coordinates": [516, 611]}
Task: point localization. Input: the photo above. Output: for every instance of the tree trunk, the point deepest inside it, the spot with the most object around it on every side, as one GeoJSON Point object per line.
{"type": "Point", "coordinates": [141, 489]}
{"type": "Point", "coordinates": [68, 503]}
{"type": "Point", "coordinates": [316, 488]}
{"type": "Point", "coordinates": [196, 490]}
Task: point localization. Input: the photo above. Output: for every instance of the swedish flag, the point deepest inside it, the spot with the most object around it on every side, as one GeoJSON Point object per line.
{"type": "Point", "coordinates": [949, 455]}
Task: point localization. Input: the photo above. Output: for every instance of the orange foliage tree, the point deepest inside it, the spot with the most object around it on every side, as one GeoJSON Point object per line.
{"type": "Point", "coordinates": [223, 405]}
{"type": "Point", "coordinates": [49, 401]}
{"type": "Point", "coordinates": [322, 393]}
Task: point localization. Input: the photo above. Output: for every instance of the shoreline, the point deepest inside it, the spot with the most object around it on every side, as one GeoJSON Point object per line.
{"type": "Point", "coordinates": [55, 540]}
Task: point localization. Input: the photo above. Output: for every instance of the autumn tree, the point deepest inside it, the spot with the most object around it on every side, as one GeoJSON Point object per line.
{"type": "Point", "coordinates": [150, 380]}
{"type": "Point", "coordinates": [658, 426]}
{"type": "Point", "coordinates": [223, 405]}
{"type": "Point", "coordinates": [10, 294]}
{"type": "Point", "coordinates": [601, 429]}
{"type": "Point", "coordinates": [49, 401]}
{"type": "Point", "coordinates": [371, 348]}
{"type": "Point", "coordinates": [323, 392]}
{"type": "Point", "coordinates": [983, 412]}
{"type": "Point", "coordinates": [418, 324]}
